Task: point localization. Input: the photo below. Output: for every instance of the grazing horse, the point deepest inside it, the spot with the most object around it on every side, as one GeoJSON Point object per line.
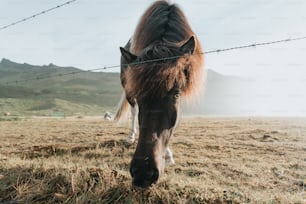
{"type": "Point", "coordinates": [160, 64]}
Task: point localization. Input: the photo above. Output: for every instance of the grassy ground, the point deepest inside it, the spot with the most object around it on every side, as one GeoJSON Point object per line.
{"type": "Point", "coordinates": [218, 160]}
{"type": "Point", "coordinates": [50, 107]}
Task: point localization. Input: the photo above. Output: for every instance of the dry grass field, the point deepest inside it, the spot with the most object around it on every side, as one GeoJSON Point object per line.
{"type": "Point", "coordinates": [218, 160]}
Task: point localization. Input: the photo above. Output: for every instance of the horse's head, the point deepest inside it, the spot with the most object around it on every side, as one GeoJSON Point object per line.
{"type": "Point", "coordinates": [157, 87]}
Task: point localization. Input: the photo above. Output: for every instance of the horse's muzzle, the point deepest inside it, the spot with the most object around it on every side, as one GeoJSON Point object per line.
{"type": "Point", "coordinates": [143, 179]}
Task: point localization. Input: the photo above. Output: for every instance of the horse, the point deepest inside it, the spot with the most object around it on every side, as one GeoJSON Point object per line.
{"type": "Point", "coordinates": [160, 65]}
{"type": "Point", "coordinates": [107, 116]}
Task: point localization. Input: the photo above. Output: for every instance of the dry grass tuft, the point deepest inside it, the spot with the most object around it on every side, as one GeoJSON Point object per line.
{"type": "Point", "coordinates": [218, 160]}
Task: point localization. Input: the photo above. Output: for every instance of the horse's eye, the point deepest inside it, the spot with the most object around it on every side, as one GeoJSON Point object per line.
{"type": "Point", "coordinates": [177, 95]}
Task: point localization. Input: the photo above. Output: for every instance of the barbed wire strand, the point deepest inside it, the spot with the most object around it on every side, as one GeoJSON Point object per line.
{"type": "Point", "coordinates": [159, 59]}
{"type": "Point", "coordinates": [37, 14]}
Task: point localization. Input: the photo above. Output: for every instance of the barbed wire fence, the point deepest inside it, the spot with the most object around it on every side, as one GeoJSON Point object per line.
{"type": "Point", "coordinates": [40, 77]}
{"type": "Point", "coordinates": [158, 60]}
{"type": "Point", "coordinates": [141, 62]}
{"type": "Point", "coordinates": [37, 14]}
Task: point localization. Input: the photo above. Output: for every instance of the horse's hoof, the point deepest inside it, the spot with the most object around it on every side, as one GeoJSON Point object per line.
{"type": "Point", "coordinates": [131, 139]}
{"type": "Point", "coordinates": [169, 161]}
{"type": "Point", "coordinates": [130, 142]}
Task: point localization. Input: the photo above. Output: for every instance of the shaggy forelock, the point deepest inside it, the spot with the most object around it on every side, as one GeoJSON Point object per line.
{"type": "Point", "coordinates": [159, 35]}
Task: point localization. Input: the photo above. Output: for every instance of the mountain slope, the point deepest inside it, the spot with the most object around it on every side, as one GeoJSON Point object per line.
{"type": "Point", "coordinates": [88, 92]}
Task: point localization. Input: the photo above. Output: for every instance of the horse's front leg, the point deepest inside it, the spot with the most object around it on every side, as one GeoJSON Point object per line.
{"type": "Point", "coordinates": [131, 136]}
{"type": "Point", "coordinates": [169, 157]}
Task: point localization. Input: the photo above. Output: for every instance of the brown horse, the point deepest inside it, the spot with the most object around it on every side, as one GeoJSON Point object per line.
{"type": "Point", "coordinates": [154, 88]}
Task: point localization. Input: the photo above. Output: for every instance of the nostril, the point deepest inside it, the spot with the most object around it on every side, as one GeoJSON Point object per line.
{"type": "Point", "coordinates": [133, 171]}
{"type": "Point", "coordinates": [155, 175]}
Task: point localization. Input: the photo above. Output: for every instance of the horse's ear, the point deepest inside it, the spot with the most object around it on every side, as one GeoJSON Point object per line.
{"type": "Point", "coordinates": [128, 57]}
{"type": "Point", "coordinates": [189, 46]}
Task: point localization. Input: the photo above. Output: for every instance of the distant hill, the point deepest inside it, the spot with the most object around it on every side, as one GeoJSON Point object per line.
{"type": "Point", "coordinates": [88, 93]}
{"type": "Point", "coordinates": [93, 93]}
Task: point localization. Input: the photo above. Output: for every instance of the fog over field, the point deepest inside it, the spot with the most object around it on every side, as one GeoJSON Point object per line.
{"type": "Point", "coordinates": [241, 96]}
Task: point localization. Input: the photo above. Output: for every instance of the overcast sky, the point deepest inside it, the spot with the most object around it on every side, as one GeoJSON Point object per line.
{"type": "Point", "coordinates": [87, 34]}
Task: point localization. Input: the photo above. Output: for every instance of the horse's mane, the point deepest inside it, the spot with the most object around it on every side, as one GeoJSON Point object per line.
{"type": "Point", "coordinates": [161, 31]}
{"type": "Point", "coordinates": [160, 22]}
